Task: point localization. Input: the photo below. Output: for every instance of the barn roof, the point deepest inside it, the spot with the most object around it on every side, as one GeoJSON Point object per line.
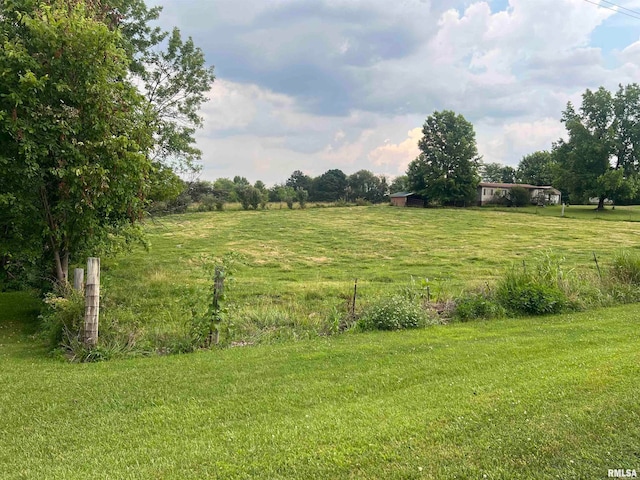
{"type": "Point", "coordinates": [401, 194]}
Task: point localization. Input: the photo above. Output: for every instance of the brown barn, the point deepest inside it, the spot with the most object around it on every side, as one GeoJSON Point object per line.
{"type": "Point", "coordinates": [406, 199]}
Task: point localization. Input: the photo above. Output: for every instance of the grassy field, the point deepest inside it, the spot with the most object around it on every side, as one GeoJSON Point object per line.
{"type": "Point", "coordinates": [582, 212]}
{"type": "Point", "coordinates": [299, 266]}
{"type": "Point", "coordinates": [550, 397]}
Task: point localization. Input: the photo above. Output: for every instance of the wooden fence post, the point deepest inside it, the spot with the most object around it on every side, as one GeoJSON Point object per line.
{"type": "Point", "coordinates": [218, 291]}
{"type": "Point", "coordinates": [78, 279]}
{"type": "Point", "coordinates": [92, 302]}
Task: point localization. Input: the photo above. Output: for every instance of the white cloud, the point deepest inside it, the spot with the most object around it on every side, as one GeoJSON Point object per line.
{"type": "Point", "coordinates": [508, 143]}
{"type": "Point", "coordinates": [395, 157]}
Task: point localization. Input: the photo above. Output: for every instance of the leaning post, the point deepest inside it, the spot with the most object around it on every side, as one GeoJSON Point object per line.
{"type": "Point", "coordinates": [92, 302]}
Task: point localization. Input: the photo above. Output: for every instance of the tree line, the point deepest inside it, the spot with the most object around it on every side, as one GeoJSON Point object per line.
{"type": "Point", "coordinates": [334, 185]}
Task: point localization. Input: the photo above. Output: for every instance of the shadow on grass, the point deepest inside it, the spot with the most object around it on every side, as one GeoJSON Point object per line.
{"type": "Point", "coordinates": [18, 324]}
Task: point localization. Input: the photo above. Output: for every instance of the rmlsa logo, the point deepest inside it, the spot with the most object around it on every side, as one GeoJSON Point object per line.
{"type": "Point", "coordinates": [622, 473]}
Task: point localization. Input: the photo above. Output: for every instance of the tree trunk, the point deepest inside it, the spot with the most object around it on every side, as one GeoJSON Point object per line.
{"type": "Point", "coordinates": [600, 203]}
{"type": "Point", "coordinates": [62, 266]}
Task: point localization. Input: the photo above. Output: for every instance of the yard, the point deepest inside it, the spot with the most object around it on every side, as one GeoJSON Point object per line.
{"type": "Point", "coordinates": [550, 397]}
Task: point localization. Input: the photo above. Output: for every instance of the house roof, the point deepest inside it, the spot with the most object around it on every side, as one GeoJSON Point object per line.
{"type": "Point", "coordinates": [506, 185]}
{"type": "Point", "coordinates": [401, 194]}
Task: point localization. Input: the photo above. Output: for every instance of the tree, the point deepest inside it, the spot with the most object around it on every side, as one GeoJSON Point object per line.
{"type": "Point", "coordinates": [446, 171]}
{"type": "Point", "coordinates": [74, 132]}
{"type": "Point", "coordinates": [302, 195]}
{"type": "Point", "coordinates": [400, 184]}
{"type": "Point", "coordinates": [602, 139]}
{"type": "Point", "coordinates": [75, 129]}
{"type": "Point", "coordinates": [299, 180]}
{"type": "Point", "coordinates": [536, 168]}
{"type": "Point", "coordinates": [225, 188]}
{"type": "Point", "coordinates": [491, 172]}
{"type": "Point", "coordinates": [329, 187]}
{"type": "Point", "coordinates": [509, 174]}
{"type": "Point", "coordinates": [497, 173]}
{"type": "Point", "coordinates": [366, 185]}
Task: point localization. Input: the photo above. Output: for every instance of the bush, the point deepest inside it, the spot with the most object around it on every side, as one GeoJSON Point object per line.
{"type": "Point", "coordinates": [62, 317]}
{"type": "Point", "coordinates": [361, 202]}
{"type": "Point", "coordinates": [207, 203]}
{"type": "Point", "coordinates": [519, 197]}
{"type": "Point", "coordinates": [394, 313]}
{"type": "Point", "coordinates": [477, 305]}
{"type": "Point", "coordinates": [523, 293]}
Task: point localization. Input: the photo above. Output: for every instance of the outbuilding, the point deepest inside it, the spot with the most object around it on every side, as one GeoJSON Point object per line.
{"type": "Point", "coordinates": [406, 199]}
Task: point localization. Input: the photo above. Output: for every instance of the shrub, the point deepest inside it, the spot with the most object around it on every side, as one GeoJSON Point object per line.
{"type": "Point", "coordinates": [519, 197]}
{"type": "Point", "coordinates": [361, 202]}
{"type": "Point", "coordinates": [523, 293]}
{"type": "Point", "coordinates": [477, 305]}
{"type": "Point", "coordinates": [207, 203]}
{"type": "Point", "coordinates": [62, 317]}
{"type": "Point", "coordinates": [394, 313]}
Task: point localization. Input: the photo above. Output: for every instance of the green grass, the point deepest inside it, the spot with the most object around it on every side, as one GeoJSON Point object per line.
{"type": "Point", "coordinates": [550, 397]}
{"type": "Point", "coordinates": [300, 265]}
{"type": "Point", "coordinates": [581, 212]}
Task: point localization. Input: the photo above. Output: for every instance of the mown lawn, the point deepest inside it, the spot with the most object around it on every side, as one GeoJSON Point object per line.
{"type": "Point", "coordinates": [551, 397]}
{"type": "Point", "coordinates": [581, 212]}
{"type": "Point", "coordinates": [299, 266]}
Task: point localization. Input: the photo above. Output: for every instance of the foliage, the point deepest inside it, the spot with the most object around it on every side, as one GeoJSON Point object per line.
{"type": "Point", "coordinates": [477, 305]}
{"type": "Point", "coordinates": [603, 138]}
{"type": "Point", "coordinates": [302, 196]}
{"type": "Point", "coordinates": [393, 313]}
{"type": "Point", "coordinates": [74, 134]}
{"type": "Point", "coordinates": [519, 197]}
{"type": "Point", "coordinates": [532, 292]}
{"type": "Point", "coordinates": [83, 153]}
{"type": "Point", "coordinates": [625, 267]}
{"type": "Point", "coordinates": [299, 180]}
{"type": "Point", "coordinates": [536, 168]}
{"type": "Point", "coordinates": [62, 317]}
{"type": "Point", "coordinates": [206, 329]}
{"type": "Point", "coordinates": [399, 184]}
{"type": "Point", "coordinates": [175, 81]}
{"type": "Point", "coordinates": [329, 187]}
{"type": "Point", "coordinates": [446, 171]}
{"type": "Point", "coordinates": [364, 184]}
{"type": "Point", "coordinates": [497, 173]}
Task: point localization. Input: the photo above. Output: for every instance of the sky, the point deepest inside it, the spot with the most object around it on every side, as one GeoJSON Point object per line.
{"type": "Point", "coordinates": [314, 85]}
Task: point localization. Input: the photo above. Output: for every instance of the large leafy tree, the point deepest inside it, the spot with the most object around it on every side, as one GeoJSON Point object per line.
{"type": "Point", "coordinates": [329, 187]}
{"type": "Point", "coordinates": [299, 180]}
{"type": "Point", "coordinates": [74, 133]}
{"type": "Point", "coordinates": [80, 145]}
{"type": "Point", "coordinates": [446, 171]}
{"type": "Point", "coordinates": [536, 168]}
{"type": "Point", "coordinates": [497, 173]}
{"type": "Point", "coordinates": [600, 158]}
{"type": "Point", "coordinates": [365, 184]}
